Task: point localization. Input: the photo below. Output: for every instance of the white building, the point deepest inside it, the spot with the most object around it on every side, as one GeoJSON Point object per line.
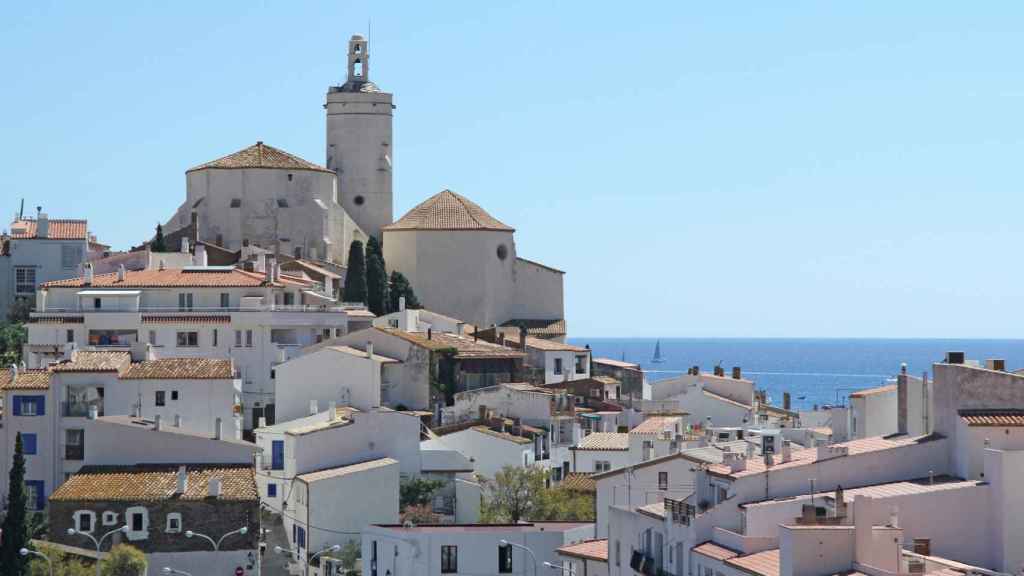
{"type": "Point", "coordinates": [873, 412]}
{"type": "Point", "coordinates": [490, 450]}
{"type": "Point", "coordinates": [468, 549]}
{"type": "Point", "coordinates": [256, 319]}
{"type": "Point", "coordinates": [419, 320]}
{"type": "Point", "coordinates": [587, 558]}
{"type": "Point", "coordinates": [600, 452]}
{"type": "Point", "coordinates": [709, 399]}
{"type": "Point", "coordinates": [36, 251]}
{"type": "Point", "coordinates": [462, 262]}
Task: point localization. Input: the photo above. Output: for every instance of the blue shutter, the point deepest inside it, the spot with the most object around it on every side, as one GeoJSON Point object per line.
{"type": "Point", "coordinates": [28, 443]}
{"type": "Point", "coordinates": [272, 490]}
{"type": "Point", "coordinates": [40, 405]}
{"type": "Point", "coordinates": [277, 455]}
{"type": "Point", "coordinates": [17, 405]}
{"type": "Point", "coordinates": [302, 537]}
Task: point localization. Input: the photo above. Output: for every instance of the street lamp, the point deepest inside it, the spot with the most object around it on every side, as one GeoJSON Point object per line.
{"type": "Point", "coordinates": [169, 570]}
{"type": "Point", "coordinates": [514, 545]}
{"type": "Point", "coordinates": [26, 552]}
{"type": "Point", "coordinates": [216, 543]}
{"type": "Point", "coordinates": [333, 548]}
{"type": "Point", "coordinates": [570, 570]}
{"type": "Point", "coordinates": [98, 543]}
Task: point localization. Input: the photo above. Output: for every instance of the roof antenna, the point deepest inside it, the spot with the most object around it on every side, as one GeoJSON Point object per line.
{"type": "Point", "coordinates": [21, 211]}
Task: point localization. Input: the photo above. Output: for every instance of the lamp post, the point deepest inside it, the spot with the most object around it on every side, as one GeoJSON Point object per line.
{"type": "Point", "coordinates": [305, 571]}
{"type": "Point", "coordinates": [26, 552]}
{"type": "Point", "coordinates": [169, 570]}
{"type": "Point", "coordinates": [514, 545]}
{"type": "Point", "coordinates": [216, 543]}
{"type": "Point", "coordinates": [98, 543]}
{"type": "Point", "coordinates": [565, 569]}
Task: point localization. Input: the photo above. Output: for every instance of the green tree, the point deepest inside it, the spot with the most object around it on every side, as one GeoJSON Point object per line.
{"type": "Point", "coordinates": [562, 505]}
{"type": "Point", "coordinates": [355, 277]}
{"type": "Point", "coordinates": [399, 287]}
{"type": "Point", "coordinates": [376, 278]}
{"type": "Point", "coordinates": [419, 514]}
{"type": "Point", "coordinates": [417, 492]}
{"type": "Point", "coordinates": [63, 564]}
{"type": "Point", "coordinates": [19, 311]}
{"type": "Point", "coordinates": [15, 526]}
{"type": "Point", "coordinates": [123, 560]}
{"type": "Point", "coordinates": [514, 494]}
{"type": "Point", "coordinates": [12, 338]}
{"type": "Point", "coordinates": [159, 244]}
{"type": "Point", "coordinates": [350, 553]}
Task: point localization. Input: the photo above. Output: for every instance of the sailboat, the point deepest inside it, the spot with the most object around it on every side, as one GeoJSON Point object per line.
{"type": "Point", "coordinates": [657, 359]}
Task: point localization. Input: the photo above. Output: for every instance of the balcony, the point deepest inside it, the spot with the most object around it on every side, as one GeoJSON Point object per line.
{"type": "Point", "coordinates": [79, 409]}
{"type": "Point", "coordinates": [173, 310]}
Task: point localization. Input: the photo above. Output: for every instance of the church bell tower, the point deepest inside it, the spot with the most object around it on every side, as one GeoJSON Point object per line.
{"type": "Point", "coordinates": [359, 146]}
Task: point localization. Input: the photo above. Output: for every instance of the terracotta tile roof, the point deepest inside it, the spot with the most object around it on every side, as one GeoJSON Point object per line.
{"type": "Point", "coordinates": [873, 391]}
{"type": "Point", "coordinates": [95, 361]}
{"type": "Point", "coordinates": [587, 550]}
{"type": "Point", "coordinates": [940, 483]}
{"type": "Point", "coordinates": [155, 482]}
{"type": "Point", "coordinates": [27, 229]}
{"type": "Point", "coordinates": [579, 482]}
{"type": "Point", "coordinates": [26, 380]}
{"type": "Point", "coordinates": [175, 278]}
{"type": "Point", "coordinates": [761, 564]}
{"type": "Point", "coordinates": [181, 369]}
{"type": "Point", "coordinates": [465, 347]}
{"type": "Point", "coordinates": [657, 424]}
{"type": "Point", "coordinates": [617, 363]}
{"type": "Point", "coordinates": [655, 510]}
{"type": "Point", "coordinates": [187, 319]}
{"type": "Point", "coordinates": [539, 328]}
{"type": "Point", "coordinates": [810, 456]}
{"type": "Point", "coordinates": [712, 550]}
{"type": "Point", "coordinates": [346, 470]}
{"type": "Point", "coordinates": [260, 155]}
{"type": "Point", "coordinates": [549, 345]}
{"type": "Point", "coordinates": [604, 441]}
{"type": "Point", "coordinates": [57, 320]}
{"type": "Point", "coordinates": [1003, 417]}
{"type": "Point", "coordinates": [447, 211]}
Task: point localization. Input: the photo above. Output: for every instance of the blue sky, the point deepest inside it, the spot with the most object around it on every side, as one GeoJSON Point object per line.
{"type": "Point", "coordinates": [723, 169]}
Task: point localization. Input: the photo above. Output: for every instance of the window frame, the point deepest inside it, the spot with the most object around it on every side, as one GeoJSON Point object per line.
{"type": "Point", "coordinates": [77, 519]}
{"type": "Point", "coordinates": [109, 518]}
{"type": "Point", "coordinates": [24, 276]}
{"type": "Point", "coordinates": [172, 517]}
{"type": "Point", "coordinates": [449, 559]}
{"type": "Point", "coordinates": [557, 368]}
{"type": "Point", "coordinates": [160, 398]}
{"type": "Point", "coordinates": [129, 517]}
{"type": "Point", "coordinates": [190, 340]}
{"type": "Point", "coordinates": [504, 558]}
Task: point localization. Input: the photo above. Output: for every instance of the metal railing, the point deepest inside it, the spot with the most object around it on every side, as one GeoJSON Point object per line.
{"type": "Point", "coordinates": [344, 307]}
{"type": "Point", "coordinates": [79, 409]}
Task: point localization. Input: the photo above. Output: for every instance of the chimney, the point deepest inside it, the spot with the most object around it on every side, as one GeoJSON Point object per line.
{"type": "Point", "coordinates": [695, 370]}
{"type": "Point", "coordinates": [785, 401]}
{"type": "Point", "coordinates": [313, 408]}
{"type": "Point", "coordinates": [199, 257]}
{"type": "Point", "coordinates": [88, 274]}
{"type": "Point", "coordinates": [901, 401]}
{"type": "Point", "coordinates": [262, 422]}
{"type": "Point", "coordinates": [954, 357]}
{"type": "Point", "coordinates": [157, 425]}
{"type": "Point", "coordinates": [719, 371]}
{"type": "Point", "coordinates": [94, 412]}
{"type": "Point", "coordinates": [218, 429]}
{"type": "Point", "coordinates": [997, 364]}
{"type": "Point", "coordinates": [787, 451]}
{"type": "Point", "coordinates": [121, 273]}
{"type": "Point", "coordinates": [840, 503]}
{"type": "Point", "coordinates": [194, 234]}
{"type": "Point", "coordinates": [522, 338]}
{"type": "Point", "coordinates": [268, 267]}
{"type": "Point", "coordinates": [163, 264]}
{"type": "Point", "coordinates": [182, 480]}
{"type": "Point", "coordinates": [401, 303]}
{"type": "Point", "coordinates": [430, 334]}
{"type": "Point", "coordinates": [737, 374]}
{"type": "Point", "coordinates": [369, 349]}
{"type": "Point", "coordinates": [213, 488]}
{"type": "Point", "coordinates": [482, 412]}
{"type": "Point", "coordinates": [862, 528]}
{"type": "Point", "coordinates": [894, 517]}
{"type": "Point", "coordinates": [177, 420]}
{"type": "Point", "coordinates": [14, 373]}
{"type": "Point", "coordinates": [808, 515]}
{"type": "Point", "coordinates": [42, 225]}
{"type": "Point", "coordinates": [184, 245]}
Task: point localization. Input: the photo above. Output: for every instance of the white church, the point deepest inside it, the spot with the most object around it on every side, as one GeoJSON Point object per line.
{"type": "Point", "coordinates": [460, 260]}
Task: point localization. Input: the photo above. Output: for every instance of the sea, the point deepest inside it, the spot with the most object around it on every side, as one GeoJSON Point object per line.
{"type": "Point", "coordinates": [814, 371]}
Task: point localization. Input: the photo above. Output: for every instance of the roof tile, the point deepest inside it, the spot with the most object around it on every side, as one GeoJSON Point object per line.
{"type": "Point", "coordinates": [588, 550]}
{"type": "Point", "coordinates": [26, 380]}
{"type": "Point", "coordinates": [447, 210]}
{"type": "Point", "coordinates": [604, 441]}
{"type": "Point", "coordinates": [181, 369]}
{"type": "Point", "coordinates": [260, 155]}
{"type": "Point", "coordinates": [154, 482]}
{"type": "Point", "coordinates": [28, 228]}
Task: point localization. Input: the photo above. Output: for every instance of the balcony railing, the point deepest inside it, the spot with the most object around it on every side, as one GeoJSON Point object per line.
{"type": "Point", "coordinates": [170, 310]}
{"type": "Point", "coordinates": [79, 409]}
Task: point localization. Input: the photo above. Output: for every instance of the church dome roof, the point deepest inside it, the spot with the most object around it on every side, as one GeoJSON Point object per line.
{"type": "Point", "coordinates": [447, 211]}
{"type": "Point", "coordinates": [261, 156]}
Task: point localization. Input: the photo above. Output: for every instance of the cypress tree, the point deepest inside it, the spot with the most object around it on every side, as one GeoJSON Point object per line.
{"type": "Point", "coordinates": [376, 278]}
{"type": "Point", "coordinates": [355, 277]}
{"type": "Point", "coordinates": [159, 244]}
{"type": "Point", "coordinates": [400, 286]}
{"type": "Point", "coordinates": [15, 526]}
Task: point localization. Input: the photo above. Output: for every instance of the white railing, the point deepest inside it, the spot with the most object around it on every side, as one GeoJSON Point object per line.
{"type": "Point", "coordinates": [344, 307]}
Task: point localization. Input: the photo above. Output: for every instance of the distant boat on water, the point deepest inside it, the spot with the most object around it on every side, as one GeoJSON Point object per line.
{"type": "Point", "coordinates": [657, 359]}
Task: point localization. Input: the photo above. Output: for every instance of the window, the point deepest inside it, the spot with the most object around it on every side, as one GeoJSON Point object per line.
{"type": "Point", "coordinates": [35, 494]}
{"type": "Point", "coordinates": [300, 537]}
{"type": "Point", "coordinates": [238, 338]}
{"type": "Point", "coordinates": [174, 394]}
{"type": "Point", "coordinates": [29, 405]}
{"type": "Point", "coordinates": [161, 398]}
{"type": "Point", "coordinates": [602, 465]}
{"type": "Point", "coordinates": [174, 522]}
{"type": "Point", "coordinates": [338, 333]}
{"type": "Point", "coordinates": [618, 553]}
{"type": "Point", "coordinates": [272, 490]}
{"type": "Point", "coordinates": [185, 301]}
{"type": "Point", "coordinates": [28, 444]}
{"type": "Point", "coordinates": [225, 300]}
{"type": "Point", "coordinates": [236, 202]}
{"type": "Point", "coordinates": [662, 480]}
{"type": "Point", "coordinates": [70, 256]}
{"type": "Point", "coordinates": [277, 455]}
{"type": "Point", "coordinates": [505, 559]}
{"type": "Point", "coordinates": [74, 444]}
{"type": "Point", "coordinates": [502, 251]}
{"type": "Point", "coordinates": [648, 448]}
{"type": "Point", "coordinates": [24, 280]}
{"type": "Point", "coordinates": [359, 200]}
{"type": "Point", "coordinates": [449, 559]}
{"type": "Point", "coordinates": [70, 336]}
{"type": "Point", "coordinates": [109, 518]}
{"type": "Point", "coordinates": [248, 338]}
{"type": "Point", "coordinates": [393, 323]}
{"type": "Point", "coordinates": [373, 559]}
{"type": "Point", "coordinates": [214, 337]}
{"type": "Point", "coordinates": [152, 337]}
{"type": "Point", "coordinates": [188, 339]}
{"type": "Point", "coordinates": [97, 304]}
{"type": "Point", "coordinates": [298, 251]}
{"type": "Point", "coordinates": [84, 521]}
{"type": "Point", "coordinates": [581, 364]}
{"type": "Point", "coordinates": [289, 298]}
{"type": "Point", "coordinates": [282, 203]}
{"type": "Point", "coordinates": [558, 365]}
{"type": "Point", "coordinates": [137, 518]}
